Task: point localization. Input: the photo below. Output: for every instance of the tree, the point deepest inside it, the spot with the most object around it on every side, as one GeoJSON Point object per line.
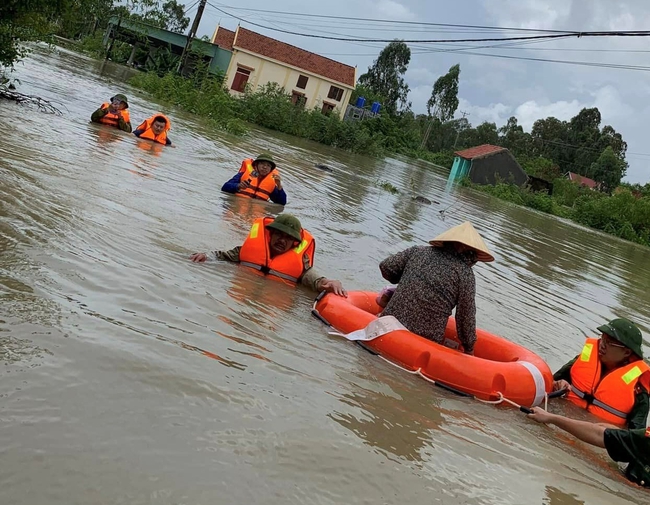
{"type": "Point", "coordinates": [83, 17]}
{"type": "Point", "coordinates": [513, 137]}
{"type": "Point", "coordinates": [169, 16]}
{"type": "Point", "coordinates": [386, 76]}
{"type": "Point", "coordinates": [444, 95]}
{"type": "Point", "coordinates": [366, 92]}
{"type": "Point", "coordinates": [22, 21]}
{"type": "Point", "coordinates": [608, 170]}
{"type": "Point", "coordinates": [174, 17]}
{"type": "Point", "coordinates": [485, 133]}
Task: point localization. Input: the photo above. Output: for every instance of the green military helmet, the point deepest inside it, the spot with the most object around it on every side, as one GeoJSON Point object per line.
{"type": "Point", "coordinates": [289, 224]}
{"type": "Point", "coordinates": [121, 98]}
{"type": "Point", "coordinates": [265, 157]}
{"type": "Point", "coordinates": [626, 332]}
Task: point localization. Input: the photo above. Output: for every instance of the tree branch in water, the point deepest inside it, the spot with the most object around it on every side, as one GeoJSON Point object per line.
{"type": "Point", "coordinates": [43, 105]}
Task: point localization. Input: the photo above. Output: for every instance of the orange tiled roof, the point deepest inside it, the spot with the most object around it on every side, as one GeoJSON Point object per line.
{"type": "Point", "coordinates": [224, 38]}
{"type": "Point", "coordinates": [479, 151]}
{"type": "Point", "coordinates": [292, 55]}
{"type": "Point", "coordinates": [582, 180]}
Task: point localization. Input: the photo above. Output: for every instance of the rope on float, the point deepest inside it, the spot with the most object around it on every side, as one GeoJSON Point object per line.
{"type": "Point", "coordinates": [501, 399]}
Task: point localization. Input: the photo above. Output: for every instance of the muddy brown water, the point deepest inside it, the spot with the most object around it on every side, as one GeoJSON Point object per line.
{"type": "Point", "coordinates": [131, 376]}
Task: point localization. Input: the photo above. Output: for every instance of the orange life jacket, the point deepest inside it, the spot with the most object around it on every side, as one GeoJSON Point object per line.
{"type": "Point", "coordinates": [260, 189]}
{"type": "Point", "coordinates": [148, 132]}
{"type": "Point", "coordinates": [611, 398]}
{"type": "Point", "coordinates": [288, 266]}
{"type": "Point", "coordinates": [247, 165]}
{"type": "Point", "coordinates": [112, 119]}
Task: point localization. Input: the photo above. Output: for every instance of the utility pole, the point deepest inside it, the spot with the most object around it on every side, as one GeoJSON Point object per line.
{"type": "Point", "coordinates": [423, 145]}
{"type": "Point", "coordinates": [458, 132]}
{"type": "Point", "coordinates": [190, 37]}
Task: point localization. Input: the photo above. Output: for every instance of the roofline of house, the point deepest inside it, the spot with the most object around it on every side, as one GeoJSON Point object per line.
{"type": "Point", "coordinates": [482, 155]}
{"type": "Point", "coordinates": [302, 70]}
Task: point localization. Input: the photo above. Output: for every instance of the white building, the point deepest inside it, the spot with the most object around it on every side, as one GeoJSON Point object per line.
{"type": "Point", "coordinates": [311, 79]}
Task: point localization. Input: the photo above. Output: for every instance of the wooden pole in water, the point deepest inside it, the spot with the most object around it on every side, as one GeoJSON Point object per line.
{"type": "Point", "coordinates": [192, 34]}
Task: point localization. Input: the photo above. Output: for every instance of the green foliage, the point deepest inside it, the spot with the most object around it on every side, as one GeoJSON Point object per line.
{"type": "Point", "coordinates": [623, 214]}
{"type": "Point", "coordinates": [386, 76]}
{"type": "Point", "coordinates": [442, 158]}
{"type": "Point", "coordinates": [93, 45]}
{"type": "Point", "coordinates": [444, 95]}
{"type": "Point", "coordinates": [576, 145]}
{"type": "Point", "coordinates": [567, 192]}
{"type": "Point", "coordinates": [540, 167]}
{"type": "Point", "coordinates": [269, 106]}
{"type": "Point", "coordinates": [168, 15]}
{"type": "Point", "coordinates": [608, 169]}
{"type": "Point", "coordinates": [369, 94]}
{"type": "Point", "coordinates": [161, 60]}
{"type": "Point", "coordinates": [387, 186]}
{"type": "Point", "coordinates": [25, 21]}
{"type": "Point", "coordinates": [83, 18]}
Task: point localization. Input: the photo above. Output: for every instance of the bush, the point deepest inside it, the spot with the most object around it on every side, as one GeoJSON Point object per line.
{"type": "Point", "coordinates": [622, 215]}
{"type": "Point", "coordinates": [268, 106]}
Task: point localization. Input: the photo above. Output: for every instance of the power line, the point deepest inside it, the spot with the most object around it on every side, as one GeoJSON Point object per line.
{"type": "Point", "coordinates": [396, 22]}
{"type": "Point", "coordinates": [190, 7]}
{"type": "Point", "coordinates": [547, 60]}
{"type": "Point", "coordinates": [561, 35]}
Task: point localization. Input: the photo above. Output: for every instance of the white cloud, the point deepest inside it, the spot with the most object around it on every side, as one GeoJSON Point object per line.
{"type": "Point", "coordinates": [420, 76]}
{"type": "Point", "coordinates": [529, 112]}
{"type": "Point", "coordinates": [528, 13]}
{"type": "Point", "coordinates": [607, 99]}
{"type": "Point", "coordinates": [611, 104]}
{"type": "Point", "coordinates": [394, 10]}
{"type": "Point", "coordinates": [494, 113]}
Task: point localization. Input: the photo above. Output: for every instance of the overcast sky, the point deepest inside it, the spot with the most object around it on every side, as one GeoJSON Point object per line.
{"type": "Point", "coordinates": [491, 88]}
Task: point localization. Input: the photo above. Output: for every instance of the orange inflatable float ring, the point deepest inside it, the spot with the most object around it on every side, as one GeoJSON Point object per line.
{"type": "Point", "coordinates": [499, 370]}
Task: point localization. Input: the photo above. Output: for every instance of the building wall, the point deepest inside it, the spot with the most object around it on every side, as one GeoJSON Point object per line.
{"type": "Point", "coordinates": [499, 167]}
{"type": "Point", "coordinates": [264, 70]}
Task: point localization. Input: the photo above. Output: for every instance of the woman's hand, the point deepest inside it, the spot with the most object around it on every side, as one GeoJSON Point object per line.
{"type": "Point", "coordinates": [199, 257]}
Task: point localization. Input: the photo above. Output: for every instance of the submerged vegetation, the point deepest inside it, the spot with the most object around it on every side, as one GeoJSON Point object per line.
{"type": "Point", "coordinates": [268, 106]}
{"type": "Point", "coordinates": [625, 214]}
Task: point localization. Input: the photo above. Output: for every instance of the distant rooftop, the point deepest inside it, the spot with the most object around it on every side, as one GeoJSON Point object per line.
{"type": "Point", "coordinates": [479, 151]}
{"type": "Point", "coordinates": [582, 180]}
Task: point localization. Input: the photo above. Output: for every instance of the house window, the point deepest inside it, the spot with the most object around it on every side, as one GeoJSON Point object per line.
{"type": "Point", "coordinates": [327, 108]}
{"type": "Point", "coordinates": [241, 79]}
{"type": "Point", "coordinates": [302, 82]}
{"type": "Point", "coordinates": [298, 98]}
{"type": "Point", "coordinates": [335, 93]}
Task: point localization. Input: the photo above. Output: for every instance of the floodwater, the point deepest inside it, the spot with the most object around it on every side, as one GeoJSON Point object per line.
{"type": "Point", "coordinates": [130, 375]}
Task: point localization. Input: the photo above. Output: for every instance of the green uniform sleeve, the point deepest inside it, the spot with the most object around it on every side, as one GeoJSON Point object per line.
{"type": "Point", "coordinates": [311, 278]}
{"type": "Point", "coordinates": [631, 446]}
{"type": "Point", "coordinates": [564, 373]}
{"type": "Point", "coordinates": [98, 114]}
{"type": "Point", "coordinates": [638, 416]}
{"type": "Point", "coordinates": [125, 126]}
{"type": "Point", "coordinates": [230, 255]}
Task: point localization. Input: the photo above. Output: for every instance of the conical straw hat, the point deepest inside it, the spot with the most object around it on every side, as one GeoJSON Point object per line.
{"type": "Point", "coordinates": [465, 234]}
